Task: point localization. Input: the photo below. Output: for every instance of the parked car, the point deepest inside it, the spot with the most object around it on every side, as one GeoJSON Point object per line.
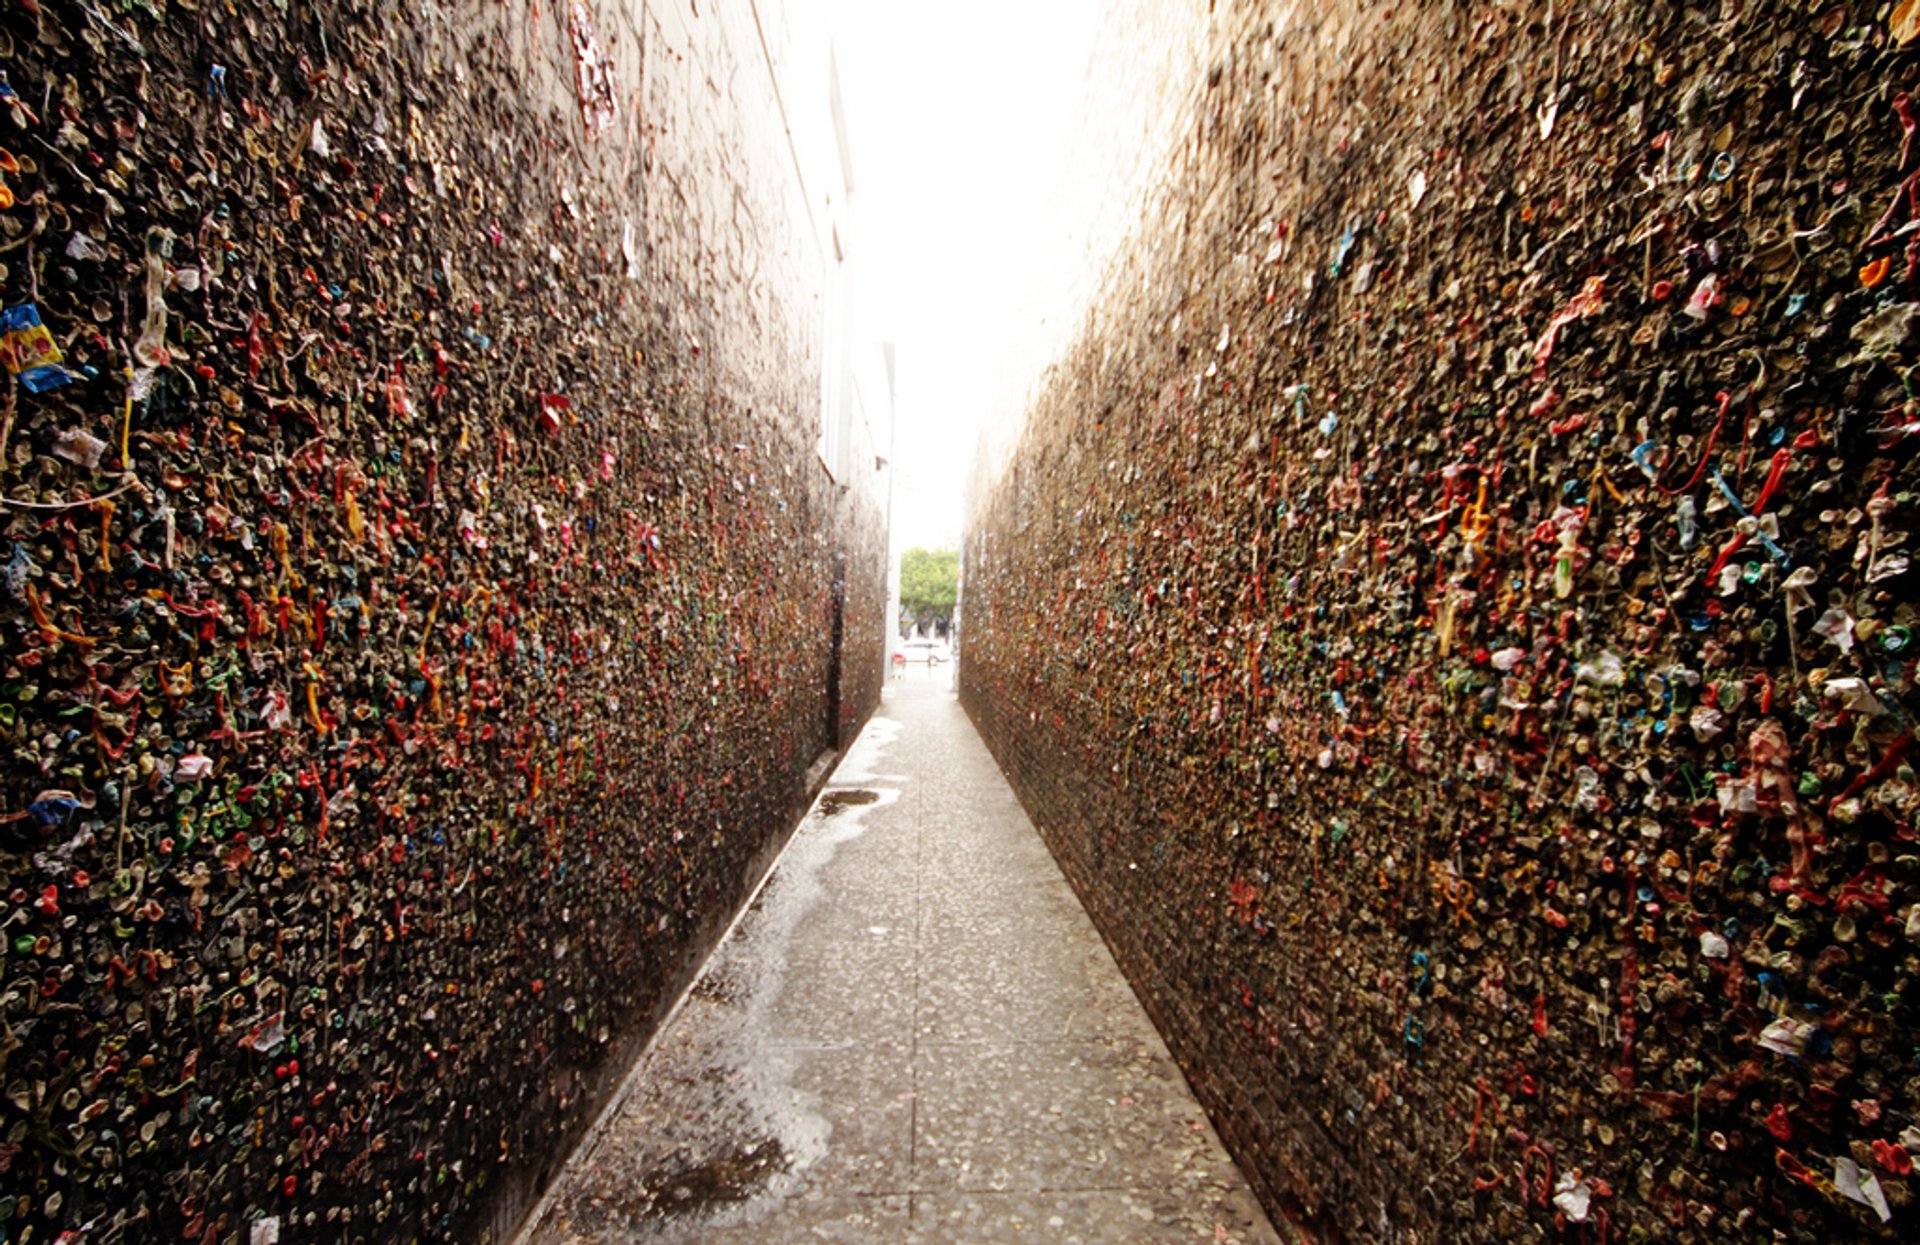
{"type": "Point", "coordinates": [921, 653]}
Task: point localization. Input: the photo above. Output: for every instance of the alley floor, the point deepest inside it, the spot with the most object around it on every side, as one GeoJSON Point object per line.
{"type": "Point", "coordinates": [914, 1034]}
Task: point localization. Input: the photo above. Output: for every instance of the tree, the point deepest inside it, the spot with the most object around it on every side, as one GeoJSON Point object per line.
{"type": "Point", "coordinates": [929, 580]}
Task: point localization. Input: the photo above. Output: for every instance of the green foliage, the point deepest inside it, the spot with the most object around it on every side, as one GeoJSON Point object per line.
{"type": "Point", "coordinates": [930, 580]}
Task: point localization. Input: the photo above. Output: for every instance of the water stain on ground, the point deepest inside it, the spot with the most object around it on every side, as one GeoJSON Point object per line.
{"type": "Point", "coordinates": [683, 1188]}
{"type": "Point", "coordinates": [715, 1135]}
{"type": "Point", "coordinates": [834, 802]}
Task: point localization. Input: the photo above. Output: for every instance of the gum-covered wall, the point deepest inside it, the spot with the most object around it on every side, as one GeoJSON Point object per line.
{"type": "Point", "coordinates": [418, 590]}
{"type": "Point", "coordinates": [1450, 612]}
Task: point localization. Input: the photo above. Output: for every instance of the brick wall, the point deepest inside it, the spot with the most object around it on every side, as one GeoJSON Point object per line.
{"type": "Point", "coordinates": [1511, 837]}
{"type": "Point", "coordinates": [419, 600]}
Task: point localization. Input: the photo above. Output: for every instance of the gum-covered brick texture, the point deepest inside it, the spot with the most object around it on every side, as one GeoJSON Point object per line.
{"type": "Point", "coordinates": [1451, 613]}
{"type": "Point", "coordinates": [418, 592]}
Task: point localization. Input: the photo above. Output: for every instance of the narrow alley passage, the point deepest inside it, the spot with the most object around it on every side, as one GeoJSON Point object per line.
{"type": "Point", "coordinates": [914, 1033]}
{"type": "Point", "coordinates": [1427, 493]}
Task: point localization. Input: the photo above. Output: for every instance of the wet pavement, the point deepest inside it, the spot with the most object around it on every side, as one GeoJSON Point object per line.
{"type": "Point", "coordinates": [912, 1035]}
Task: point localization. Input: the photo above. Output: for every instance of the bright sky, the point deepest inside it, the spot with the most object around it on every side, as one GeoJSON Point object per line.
{"type": "Point", "coordinates": [960, 122]}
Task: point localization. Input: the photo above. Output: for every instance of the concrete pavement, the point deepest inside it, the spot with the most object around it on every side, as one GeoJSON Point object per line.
{"type": "Point", "coordinates": [914, 1034]}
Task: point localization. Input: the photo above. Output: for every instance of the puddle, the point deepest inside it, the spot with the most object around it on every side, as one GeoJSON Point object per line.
{"type": "Point", "coordinates": [839, 801]}
{"type": "Point", "coordinates": [694, 1188]}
